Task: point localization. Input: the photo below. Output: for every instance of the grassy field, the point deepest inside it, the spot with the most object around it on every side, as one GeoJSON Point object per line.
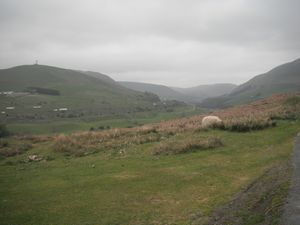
{"type": "Point", "coordinates": [137, 187]}
{"type": "Point", "coordinates": [68, 125]}
{"type": "Point", "coordinates": [172, 172]}
{"type": "Point", "coordinates": [80, 93]}
{"type": "Point", "coordinates": [88, 102]}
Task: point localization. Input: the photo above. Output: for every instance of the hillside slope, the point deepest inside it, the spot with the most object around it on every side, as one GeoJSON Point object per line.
{"type": "Point", "coordinates": [201, 92]}
{"type": "Point", "coordinates": [192, 94]}
{"type": "Point", "coordinates": [51, 88]}
{"type": "Point", "coordinates": [164, 92]}
{"type": "Point", "coordinates": [284, 78]}
{"type": "Point", "coordinates": [100, 76]}
{"type": "Point", "coordinates": [184, 173]}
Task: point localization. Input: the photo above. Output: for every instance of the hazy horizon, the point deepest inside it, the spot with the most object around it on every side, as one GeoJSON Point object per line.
{"type": "Point", "coordinates": [173, 43]}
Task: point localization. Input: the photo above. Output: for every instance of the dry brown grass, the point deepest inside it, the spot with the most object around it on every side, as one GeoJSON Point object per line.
{"type": "Point", "coordinates": [257, 114]}
{"type": "Point", "coordinates": [253, 116]}
{"type": "Point", "coordinates": [187, 145]}
{"type": "Point", "coordinates": [35, 138]}
{"type": "Point", "coordinates": [246, 123]}
{"type": "Point", "coordinates": [9, 149]}
{"type": "Point", "coordinates": [84, 143]}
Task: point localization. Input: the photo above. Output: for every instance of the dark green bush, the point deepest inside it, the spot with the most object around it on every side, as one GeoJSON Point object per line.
{"type": "Point", "coordinates": [3, 131]}
{"type": "Point", "coordinates": [15, 150]}
{"type": "Point", "coordinates": [246, 124]}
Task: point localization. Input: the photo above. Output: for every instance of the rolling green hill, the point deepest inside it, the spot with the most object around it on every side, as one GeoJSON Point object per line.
{"type": "Point", "coordinates": [191, 95]}
{"type": "Point", "coordinates": [201, 92]}
{"type": "Point", "coordinates": [284, 78]}
{"type": "Point", "coordinates": [164, 92]}
{"type": "Point", "coordinates": [106, 79]}
{"type": "Point", "coordinates": [239, 174]}
{"type": "Point", "coordinates": [39, 92]}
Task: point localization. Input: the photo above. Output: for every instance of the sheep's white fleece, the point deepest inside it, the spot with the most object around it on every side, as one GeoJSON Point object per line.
{"type": "Point", "coordinates": [209, 121]}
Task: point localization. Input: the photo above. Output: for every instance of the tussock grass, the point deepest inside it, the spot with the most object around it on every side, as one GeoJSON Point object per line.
{"type": "Point", "coordinates": [289, 110]}
{"type": "Point", "coordinates": [84, 143]}
{"type": "Point", "coordinates": [176, 187]}
{"type": "Point", "coordinates": [114, 190]}
{"type": "Point", "coordinates": [35, 138]}
{"type": "Point", "coordinates": [8, 149]}
{"type": "Point", "coordinates": [253, 116]}
{"type": "Point", "coordinates": [246, 123]}
{"type": "Point", "coordinates": [187, 145]}
{"type": "Point", "coordinates": [293, 101]}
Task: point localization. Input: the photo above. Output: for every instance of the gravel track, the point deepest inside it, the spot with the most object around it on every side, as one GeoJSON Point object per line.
{"type": "Point", "coordinates": [291, 214]}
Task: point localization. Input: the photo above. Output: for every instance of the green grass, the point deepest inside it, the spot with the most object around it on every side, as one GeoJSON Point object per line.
{"type": "Point", "coordinates": [84, 96]}
{"type": "Point", "coordinates": [137, 187]}
{"type": "Point", "coordinates": [68, 125]}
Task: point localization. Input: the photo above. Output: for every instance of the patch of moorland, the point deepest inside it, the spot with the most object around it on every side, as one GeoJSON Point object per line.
{"type": "Point", "coordinates": [121, 180]}
{"type": "Point", "coordinates": [238, 119]}
{"type": "Point", "coordinates": [256, 114]}
{"type": "Point", "coordinates": [97, 123]}
{"type": "Point", "coordinates": [171, 147]}
{"type": "Point", "coordinates": [84, 143]}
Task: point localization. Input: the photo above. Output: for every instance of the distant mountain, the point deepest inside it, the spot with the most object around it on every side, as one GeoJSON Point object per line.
{"type": "Point", "coordinates": [201, 92]}
{"type": "Point", "coordinates": [164, 92]}
{"type": "Point", "coordinates": [49, 88]}
{"type": "Point", "coordinates": [191, 95]}
{"type": "Point", "coordinates": [284, 78]}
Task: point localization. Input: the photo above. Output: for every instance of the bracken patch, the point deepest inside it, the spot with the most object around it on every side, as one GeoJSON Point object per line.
{"type": "Point", "coordinates": [187, 145]}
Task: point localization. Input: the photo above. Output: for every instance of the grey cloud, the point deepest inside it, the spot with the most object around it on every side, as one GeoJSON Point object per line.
{"type": "Point", "coordinates": [167, 41]}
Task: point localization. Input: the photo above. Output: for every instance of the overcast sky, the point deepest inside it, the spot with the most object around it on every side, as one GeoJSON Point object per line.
{"type": "Point", "coordinates": [173, 42]}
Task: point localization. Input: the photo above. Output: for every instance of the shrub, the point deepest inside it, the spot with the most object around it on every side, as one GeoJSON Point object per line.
{"type": "Point", "coordinates": [187, 145]}
{"type": "Point", "coordinates": [45, 91]}
{"type": "Point", "coordinates": [142, 139]}
{"type": "Point", "coordinates": [85, 143]}
{"type": "Point", "coordinates": [3, 143]}
{"type": "Point", "coordinates": [15, 150]}
{"type": "Point", "coordinates": [292, 101]}
{"type": "Point", "coordinates": [3, 131]}
{"type": "Point", "coordinates": [101, 128]}
{"type": "Point", "coordinates": [49, 158]}
{"type": "Point", "coordinates": [291, 109]}
{"type": "Point", "coordinates": [35, 138]}
{"type": "Point", "coordinates": [285, 115]}
{"type": "Point", "coordinates": [69, 145]}
{"type": "Point", "coordinates": [147, 130]}
{"type": "Point", "coordinates": [245, 124]}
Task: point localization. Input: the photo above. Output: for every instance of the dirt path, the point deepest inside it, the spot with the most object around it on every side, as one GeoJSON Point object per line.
{"type": "Point", "coordinates": [258, 202]}
{"type": "Point", "coordinates": [291, 214]}
{"type": "Point", "coordinates": [264, 201]}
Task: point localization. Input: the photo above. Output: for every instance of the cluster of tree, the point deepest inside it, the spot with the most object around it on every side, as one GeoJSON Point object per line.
{"type": "Point", "coordinates": [100, 128]}
{"type": "Point", "coordinates": [151, 97]}
{"type": "Point", "coordinates": [44, 91]}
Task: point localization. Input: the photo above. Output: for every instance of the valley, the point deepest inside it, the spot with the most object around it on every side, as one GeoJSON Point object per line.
{"type": "Point", "coordinates": [78, 147]}
{"type": "Point", "coordinates": [149, 112]}
{"type": "Point", "coordinates": [173, 168]}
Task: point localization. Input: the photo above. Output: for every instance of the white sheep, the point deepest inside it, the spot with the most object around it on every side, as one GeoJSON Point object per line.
{"type": "Point", "coordinates": [209, 121]}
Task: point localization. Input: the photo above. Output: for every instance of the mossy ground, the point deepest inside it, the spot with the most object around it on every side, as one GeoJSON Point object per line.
{"type": "Point", "coordinates": [138, 187]}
